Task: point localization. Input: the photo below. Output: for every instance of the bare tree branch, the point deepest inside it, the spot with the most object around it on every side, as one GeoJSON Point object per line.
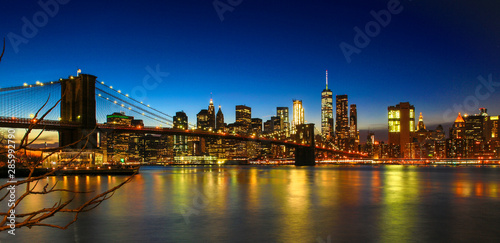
{"type": "Point", "coordinates": [37, 216]}
{"type": "Point", "coordinates": [3, 49]}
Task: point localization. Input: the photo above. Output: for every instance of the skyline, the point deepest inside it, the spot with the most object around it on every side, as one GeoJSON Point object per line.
{"type": "Point", "coordinates": [264, 57]}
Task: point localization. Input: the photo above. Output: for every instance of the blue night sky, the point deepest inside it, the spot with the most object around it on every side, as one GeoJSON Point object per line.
{"type": "Point", "coordinates": [266, 53]}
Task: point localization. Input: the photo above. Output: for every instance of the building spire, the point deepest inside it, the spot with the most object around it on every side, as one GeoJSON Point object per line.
{"type": "Point", "coordinates": [421, 125]}
{"type": "Point", "coordinates": [327, 79]}
{"type": "Point", "coordinates": [211, 100]}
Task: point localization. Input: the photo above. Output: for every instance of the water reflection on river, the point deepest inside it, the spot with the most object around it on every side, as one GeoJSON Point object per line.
{"type": "Point", "coordinates": [286, 204]}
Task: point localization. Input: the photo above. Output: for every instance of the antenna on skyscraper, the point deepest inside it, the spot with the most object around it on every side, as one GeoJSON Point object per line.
{"type": "Point", "coordinates": [327, 79]}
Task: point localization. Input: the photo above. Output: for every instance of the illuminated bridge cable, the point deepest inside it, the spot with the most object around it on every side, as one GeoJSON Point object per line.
{"type": "Point", "coordinates": [164, 122]}
{"type": "Point", "coordinates": [132, 99]}
{"type": "Point", "coordinates": [151, 115]}
{"type": "Point", "coordinates": [139, 102]}
{"type": "Point", "coordinates": [29, 86]}
{"type": "Point", "coordinates": [133, 105]}
{"type": "Point", "coordinates": [142, 103]}
{"type": "Point", "coordinates": [21, 101]}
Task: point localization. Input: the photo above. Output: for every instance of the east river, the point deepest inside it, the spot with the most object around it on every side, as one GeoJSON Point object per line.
{"type": "Point", "coordinates": [391, 203]}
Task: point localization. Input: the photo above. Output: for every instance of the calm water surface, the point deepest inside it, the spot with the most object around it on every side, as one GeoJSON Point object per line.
{"type": "Point", "coordinates": [284, 204]}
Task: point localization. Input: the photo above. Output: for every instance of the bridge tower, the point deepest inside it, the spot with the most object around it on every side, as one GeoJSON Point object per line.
{"type": "Point", "coordinates": [78, 105]}
{"type": "Point", "coordinates": [305, 155]}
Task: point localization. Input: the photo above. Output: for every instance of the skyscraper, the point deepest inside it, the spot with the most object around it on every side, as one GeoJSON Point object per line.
{"type": "Point", "coordinates": [298, 115]}
{"type": "Point", "coordinates": [202, 122]}
{"type": "Point", "coordinates": [327, 110]}
{"type": "Point", "coordinates": [457, 131]}
{"type": "Point", "coordinates": [282, 112]}
{"type": "Point", "coordinates": [342, 120]}
{"type": "Point", "coordinates": [353, 118]}
{"type": "Point", "coordinates": [257, 126]}
{"type": "Point", "coordinates": [211, 116]}
{"type": "Point", "coordinates": [180, 141]}
{"type": "Point", "coordinates": [353, 128]}
{"type": "Point", "coordinates": [276, 123]}
{"type": "Point", "coordinates": [421, 125]}
{"type": "Point", "coordinates": [475, 126]}
{"type": "Point", "coordinates": [219, 123]}
{"type": "Point", "coordinates": [401, 126]}
{"type": "Point", "coordinates": [244, 117]}
{"type": "Point", "coordinates": [243, 114]}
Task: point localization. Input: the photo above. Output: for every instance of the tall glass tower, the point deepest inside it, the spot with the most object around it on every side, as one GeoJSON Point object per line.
{"type": "Point", "coordinates": [327, 111]}
{"type": "Point", "coordinates": [298, 115]}
{"type": "Point", "coordinates": [282, 113]}
{"type": "Point", "coordinates": [342, 122]}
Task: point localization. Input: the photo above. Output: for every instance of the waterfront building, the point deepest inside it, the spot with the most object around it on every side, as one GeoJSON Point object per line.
{"type": "Point", "coordinates": [276, 124]}
{"type": "Point", "coordinates": [342, 122]}
{"type": "Point", "coordinates": [457, 131]}
{"type": "Point", "coordinates": [117, 145]}
{"type": "Point", "coordinates": [298, 115]}
{"type": "Point", "coordinates": [282, 112]}
{"type": "Point", "coordinates": [219, 121]}
{"type": "Point", "coordinates": [402, 127]}
{"type": "Point", "coordinates": [268, 127]}
{"type": "Point", "coordinates": [202, 122]}
{"type": "Point", "coordinates": [421, 125]}
{"type": "Point", "coordinates": [244, 116]}
{"type": "Point", "coordinates": [353, 129]}
{"type": "Point", "coordinates": [180, 141]}
{"type": "Point", "coordinates": [211, 116]}
{"type": "Point", "coordinates": [327, 111]}
{"type": "Point", "coordinates": [476, 126]}
{"type": "Point", "coordinates": [257, 126]}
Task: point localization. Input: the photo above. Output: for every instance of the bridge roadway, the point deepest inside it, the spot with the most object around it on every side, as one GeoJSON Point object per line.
{"type": "Point", "coordinates": [51, 125]}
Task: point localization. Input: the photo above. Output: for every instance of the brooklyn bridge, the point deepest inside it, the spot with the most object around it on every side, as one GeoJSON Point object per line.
{"type": "Point", "coordinates": [85, 103]}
